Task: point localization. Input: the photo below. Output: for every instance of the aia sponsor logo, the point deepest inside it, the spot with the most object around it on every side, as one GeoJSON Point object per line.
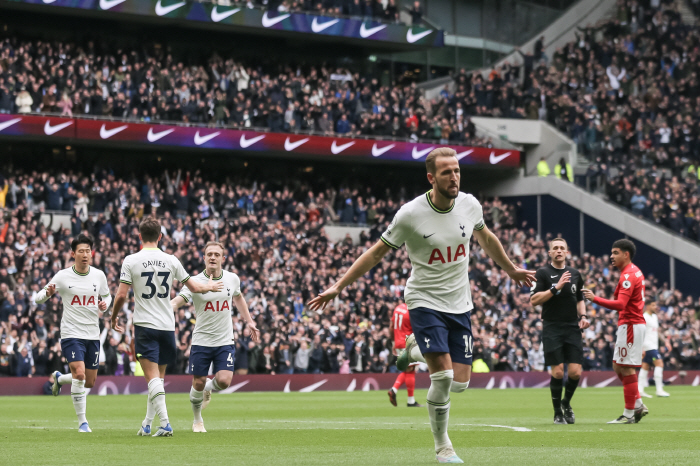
{"type": "Point", "coordinates": [446, 257]}
{"type": "Point", "coordinates": [83, 301]}
{"type": "Point", "coordinates": [217, 306]}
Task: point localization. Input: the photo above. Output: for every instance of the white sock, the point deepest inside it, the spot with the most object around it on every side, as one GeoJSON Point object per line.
{"type": "Point", "coordinates": [637, 403]}
{"type": "Point", "coordinates": [394, 390]}
{"type": "Point", "coordinates": [196, 398]}
{"type": "Point", "coordinates": [642, 379]}
{"type": "Point", "coordinates": [150, 410]}
{"type": "Point", "coordinates": [211, 385]}
{"type": "Point", "coordinates": [439, 406]}
{"type": "Point", "coordinates": [659, 378]}
{"type": "Point", "coordinates": [77, 393]}
{"type": "Point", "coordinates": [628, 412]}
{"type": "Point", "coordinates": [416, 355]}
{"type": "Point", "coordinates": [64, 379]}
{"type": "Point", "coordinates": [156, 394]}
{"type": "Point", "coordinates": [411, 400]}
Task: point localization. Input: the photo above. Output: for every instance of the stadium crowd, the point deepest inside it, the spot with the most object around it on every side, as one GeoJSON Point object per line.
{"type": "Point", "coordinates": [278, 246]}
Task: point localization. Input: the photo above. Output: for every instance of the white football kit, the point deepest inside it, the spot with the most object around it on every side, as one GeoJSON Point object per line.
{"type": "Point", "coordinates": [651, 337]}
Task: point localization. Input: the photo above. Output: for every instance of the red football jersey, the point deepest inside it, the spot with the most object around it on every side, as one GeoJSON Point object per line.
{"type": "Point", "coordinates": [632, 284]}
{"type": "Point", "coordinates": [402, 325]}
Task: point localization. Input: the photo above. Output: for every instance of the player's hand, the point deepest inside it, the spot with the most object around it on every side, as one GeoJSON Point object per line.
{"type": "Point", "coordinates": [51, 289]}
{"type": "Point", "coordinates": [116, 326]}
{"type": "Point", "coordinates": [254, 332]}
{"type": "Point", "coordinates": [102, 306]}
{"type": "Point", "coordinates": [321, 301]}
{"type": "Point", "coordinates": [583, 324]}
{"type": "Point", "coordinates": [565, 278]}
{"type": "Point", "coordinates": [588, 294]}
{"type": "Point", "coordinates": [522, 276]}
{"type": "Point", "coordinates": [217, 285]}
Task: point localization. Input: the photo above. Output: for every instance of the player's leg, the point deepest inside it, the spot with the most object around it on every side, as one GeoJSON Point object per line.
{"type": "Point", "coordinates": [67, 348]}
{"type": "Point", "coordinates": [400, 380]}
{"type": "Point", "coordinates": [659, 376]}
{"type": "Point", "coordinates": [78, 394]}
{"type": "Point", "coordinates": [410, 379]}
{"type": "Point", "coordinates": [627, 357]}
{"type": "Point", "coordinates": [643, 376]}
{"type": "Point", "coordinates": [573, 357]}
{"type": "Point", "coordinates": [196, 398]}
{"type": "Point", "coordinates": [412, 354]}
{"type": "Point", "coordinates": [223, 360]}
{"type": "Point", "coordinates": [556, 386]}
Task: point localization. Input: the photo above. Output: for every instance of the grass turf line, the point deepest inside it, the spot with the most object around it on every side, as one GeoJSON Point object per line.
{"type": "Point", "coordinates": [352, 428]}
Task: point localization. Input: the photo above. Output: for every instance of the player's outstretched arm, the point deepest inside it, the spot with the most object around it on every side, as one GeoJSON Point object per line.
{"type": "Point", "coordinates": [542, 297]}
{"type": "Point", "coordinates": [614, 305]}
{"type": "Point", "coordinates": [493, 247]}
{"type": "Point", "coordinates": [119, 301]}
{"type": "Point", "coordinates": [242, 306]}
{"type": "Point", "coordinates": [44, 295]}
{"type": "Point", "coordinates": [211, 285]}
{"type": "Point", "coordinates": [177, 302]}
{"type": "Point", "coordinates": [362, 265]}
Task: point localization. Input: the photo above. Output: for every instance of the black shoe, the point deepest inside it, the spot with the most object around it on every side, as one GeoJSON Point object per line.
{"type": "Point", "coordinates": [640, 412]}
{"type": "Point", "coordinates": [392, 397]}
{"type": "Point", "coordinates": [568, 413]}
{"type": "Point", "coordinates": [414, 405]}
{"type": "Point", "coordinates": [559, 419]}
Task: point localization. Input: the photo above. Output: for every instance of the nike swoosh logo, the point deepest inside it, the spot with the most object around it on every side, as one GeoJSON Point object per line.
{"type": "Point", "coordinates": [249, 142]}
{"type": "Point", "coordinates": [365, 33]}
{"type": "Point", "coordinates": [269, 22]}
{"type": "Point", "coordinates": [495, 159]}
{"type": "Point", "coordinates": [199, 140]}
{"type": "Point", "coordinates": [416, 154]}
{"type": "Point", "coordinates": [70, 287]}
{"type": "Point", "coordinates": [461, 155]}
{"type": "Point", "coordinates": [164, 10]}
{"type": "Point", "coordinates": [338, 149]}
{"type": "Point", "coordinates": [553, 276]}
{"type": "Point", "coordinates": [229, 365]}
{"type": "Point", "coordinates": [316, 27]}
{"type": "Point", "coordinates": [108, 133]}
{"type": "Point", "coordinates": [424, 236]}
{"type": "Point", "coordinates": [376, 151]}
{"type": "Point", "coordinates": [290, 146]}
{"type": "Point", "coordinates": [8, 123]}
{"type": "Point", "coordinates": [411, 37]}
{"type": "Point", "coordinates": [51, 130]}
{"type": "Point", "coordinates": [216, 16]}
{"type": "Point", "coordinates": [107, 4]}
{"type": "Point", "coordinates": [153, 137]}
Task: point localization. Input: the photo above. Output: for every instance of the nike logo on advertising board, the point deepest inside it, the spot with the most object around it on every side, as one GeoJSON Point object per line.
{"type": "Point", "coordinates": [249, 142]}
{"type": "Point", "coordinates": [318, 27]}
{"type": "Point", "coordinates": [153, 137]}
{"type": "Point", "coordinates": [164, 10]}
{"type": "Point", "coordinates": [461, 155]}
{"type": "Point", "coordinates": [376, 151]}
{"type": "Point", "coordinates": [108, 133]}
{"type": "Point", "coordinates": [107, 4]}
{"type": "Point", "coordinates": [338, 149]}
{"type": "Point", "coordinates": [365, 33]}
{"type": "Point", "coordinates": [8, 123]}
{"type": "Point", "coordinates": [199, 140]}
{"type": "Point", "coordinates": [416, 154]}
{"type": "Point", "coordinates": [269, 22]}
{"type": "Point", "coordinates": [494, 159]}
{"type": "Point", "coordinates": [51, 130]}
{"type": "Point", "coordinates": [216, 16]}
{"type": "Point", "coordinates": [411, 38]}
{"type": "Point", "coordinates": [290, 146]}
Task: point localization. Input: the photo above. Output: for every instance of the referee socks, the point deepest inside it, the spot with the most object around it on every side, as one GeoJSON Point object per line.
{"type": "Point", "coordinates": [555, 386]}
{"type": "Point", "coordinates": [569, 389]}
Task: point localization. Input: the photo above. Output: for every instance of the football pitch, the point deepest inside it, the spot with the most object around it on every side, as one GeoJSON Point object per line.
{"type": "Point", "coordinates": [486, 427]}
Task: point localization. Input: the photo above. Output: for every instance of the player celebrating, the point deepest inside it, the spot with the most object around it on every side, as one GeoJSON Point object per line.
{"type": "Point", "coordinates": [212, 338]}
{"type": "Point", "coordinates": [629, 301]}
{"type": "Point", "coordinates": [436, 228]}
{"type": "Point", "coordinates": [400, 326]}
{"type": "Point", "coordinates": [151, 273]}
{"type": "Point", "coordinates": [85, 294]}
{"type": "Point", "coordinates": [651, 354]}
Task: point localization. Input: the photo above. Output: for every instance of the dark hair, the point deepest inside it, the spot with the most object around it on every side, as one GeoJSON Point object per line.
{"type": "Point", "coordinates": [81, 239]}
{"type": "Point", "coordinates": [625, 245]}
{"type": "Point", "coordinates": [149, 229]}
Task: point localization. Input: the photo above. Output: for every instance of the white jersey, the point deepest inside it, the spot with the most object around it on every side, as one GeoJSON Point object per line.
{"type": "Point", "coordinates": [438, 246]}
{"type": "Point", "coordinates": [651, 337]}
{"type": "Point", "coordinates": [80, 294]}
{"type": "Point", "coordinates": [213, 310]}
{"type": "Point", "coordinates": [151, 272]}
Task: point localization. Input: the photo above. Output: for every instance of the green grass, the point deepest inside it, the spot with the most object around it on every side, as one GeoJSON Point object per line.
{"type": "Point", "coordinates": [352, 428]}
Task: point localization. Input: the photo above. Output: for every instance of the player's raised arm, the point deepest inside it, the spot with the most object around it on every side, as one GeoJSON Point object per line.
{"type": "Point", "coordinates": [45, 293]}
{"type": "Point", "coordinates": [361, 266]}
{"type": "Point", "coordinates": [493, 247]}
{"type": "Point", "coordinates": [242, 306]}
{"type": "Point", "coordinates": [612, 304]}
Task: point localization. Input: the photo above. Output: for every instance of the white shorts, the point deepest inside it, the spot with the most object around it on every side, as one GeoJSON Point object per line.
{"type": "Point", "coordinates": [628, 347]}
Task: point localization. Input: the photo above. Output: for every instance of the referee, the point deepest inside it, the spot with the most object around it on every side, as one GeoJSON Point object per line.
{"type": "Point", "coordinates": [559, 291]}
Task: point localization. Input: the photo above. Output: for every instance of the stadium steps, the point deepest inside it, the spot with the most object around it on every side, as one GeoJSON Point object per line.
{"type": "Point", "coordinates": [687, 16]}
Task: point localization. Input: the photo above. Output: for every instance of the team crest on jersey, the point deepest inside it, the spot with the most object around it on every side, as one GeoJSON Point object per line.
{"type": "Point", "coordinates": [94, 288]}
{"type": "Point", "coordinates": [626, 284]}
{"type": "Point", "coordinates": [573, 288]}
{"type": "Point", "coordinates": [461, 227]}
{"type": "Point", "coordinates": [228, 291]}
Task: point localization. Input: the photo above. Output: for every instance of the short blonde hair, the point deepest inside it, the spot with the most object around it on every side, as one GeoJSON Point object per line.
{"type": "Point", "coordinates": [439, 152]}
{"type": "Point", "coordinates": [559, 239]}
{"type": "Point", "coordinates": [215, 243]}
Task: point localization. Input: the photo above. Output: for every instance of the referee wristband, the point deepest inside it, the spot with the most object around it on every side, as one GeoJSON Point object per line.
{"type": "Point", "coordinates": [554, 290]}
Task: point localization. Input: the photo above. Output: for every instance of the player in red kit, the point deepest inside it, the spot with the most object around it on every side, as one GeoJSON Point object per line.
{"type": "Point", "coordinates": [401, 326]}
{"type": "Point", "coordinates": [631, 326]}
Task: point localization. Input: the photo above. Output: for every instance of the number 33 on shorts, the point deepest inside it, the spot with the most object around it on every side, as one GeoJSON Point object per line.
{"type": "Point", "coordinates": [468, 346]}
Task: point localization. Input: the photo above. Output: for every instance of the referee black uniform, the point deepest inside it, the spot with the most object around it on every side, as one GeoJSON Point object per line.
{"type": "Point", "coordinates": [561, 336]}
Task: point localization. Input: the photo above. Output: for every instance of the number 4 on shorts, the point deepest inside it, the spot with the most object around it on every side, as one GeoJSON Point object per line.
{"type": "Point", "coordinates": [230, 360]}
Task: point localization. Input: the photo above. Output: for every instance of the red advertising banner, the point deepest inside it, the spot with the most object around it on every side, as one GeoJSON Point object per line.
{"type": "Point", "coordinates": [110, 385]}
{"type": "Point", "coordinates": [155, 136]}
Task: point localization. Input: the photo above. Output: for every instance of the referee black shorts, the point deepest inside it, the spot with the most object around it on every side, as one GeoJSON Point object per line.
{"type": "Point", "coordinates": [562, 343]}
